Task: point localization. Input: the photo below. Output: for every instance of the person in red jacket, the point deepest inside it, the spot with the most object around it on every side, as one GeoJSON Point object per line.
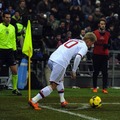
{"type": "Point", "coordinates": [100, 55]}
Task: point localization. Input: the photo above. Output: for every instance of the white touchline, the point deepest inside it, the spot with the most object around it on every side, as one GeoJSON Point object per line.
{"type": "Point", "coordinates": [112, 103]}
{"type": "Point", "coordinates": [117, 103]}
{"type": "Point", "coordinates": [70, 113]}
{"type": "Point", "coordinates": [85, 105]}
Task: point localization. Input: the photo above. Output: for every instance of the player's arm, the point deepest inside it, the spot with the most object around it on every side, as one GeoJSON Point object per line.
{"type": "Point", "coordinates": [75, 65]}
{"type": "Point", "coordinates": [107, 46]}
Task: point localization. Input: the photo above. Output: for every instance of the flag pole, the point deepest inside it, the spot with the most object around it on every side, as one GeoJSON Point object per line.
{"type": "Point", "coordinates": [29, 77]}
{"type": "Point", "coordinates": [28, 50]}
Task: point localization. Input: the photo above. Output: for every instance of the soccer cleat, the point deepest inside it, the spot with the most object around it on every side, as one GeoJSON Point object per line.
{"type": "Point", "coordinates": [34, 105]}
{"type": "Point", "coordinates": [64, 104]}
{"type": "Point", "coordinates": [105, 91]}
{"type": "Point", "coordinates": [95, 90]}
{"type": "Point", "coordinates": [16, 92]}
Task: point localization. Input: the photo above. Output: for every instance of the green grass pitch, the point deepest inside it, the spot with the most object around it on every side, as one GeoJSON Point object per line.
{"type": "Point", "coordinates": [17, 108]}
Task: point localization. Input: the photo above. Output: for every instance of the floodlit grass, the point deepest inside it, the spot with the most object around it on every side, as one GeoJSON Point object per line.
{"type": "Point", "coordinates": [17, 108]}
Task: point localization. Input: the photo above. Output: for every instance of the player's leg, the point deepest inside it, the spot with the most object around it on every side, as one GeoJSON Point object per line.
{"type": "Point", "coordinates": [96, 67]}
{"type": "Point", "coordinates": [60, 89]}
{"type": "Point", "coordinates": [55, 77]}
{"type": "Point", "coordinates": [14, 76]}
{"type": "Point", "coordinates": [15, 80]}
{"type": "Point", "coordinates": [42, 94]}
{"type": "Point", "coordinates": [105, 74]}
{"type": "Point", "coordinates": [58, 76]}
{"type": "Point", "coordinates": [11, 62]}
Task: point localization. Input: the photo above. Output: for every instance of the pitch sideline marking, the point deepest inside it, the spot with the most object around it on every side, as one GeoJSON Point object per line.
{"type": "Point", "coordinates": [75, 114]}
{"type": "Point", "coordinates": [70, 113]}
{"type": "Point", "coordinates": [117, 103]}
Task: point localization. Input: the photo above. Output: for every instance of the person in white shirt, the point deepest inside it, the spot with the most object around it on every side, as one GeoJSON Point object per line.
{"type": "Point", "coordinates": [58, 62]}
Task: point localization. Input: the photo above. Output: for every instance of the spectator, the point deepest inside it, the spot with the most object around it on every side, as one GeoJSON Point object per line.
{"type": "Point", "coordinates": [58, 40]}
{"type": "Point", "coordinates": [76, 27]}
{"type": "Point", "coordinates": [54, 23]}
{"type": "Point", "coordinates": [88, 8]}
{"type": "Point", "coordinates": [2, 5]}
{"type": "Point", "coordinates": [76, 10]}
{"type": "Point", "coordinates": [50, 42]}
{"type": "Point", "coordinates": [97, 15]}
{"type": "Point", "coordinates": [68, 22]}
{"type": "Point", "coordinates": [68, 36]}
{"type": "Point", "coordinates": [82, 34]}
{"type": "Point", "coordinates": [116, 23]}
{"type": "Point", "coordinates": [54, 8]}
{"type": "Point", "coordinates": [89, 23]}
{"type": "Point", "coordinates": [22, 9]}
{"type": "Point", "coordinates": [98, 4]}
{"type": "Point", "coordinates": [75, 2]}
{"type": "Point", "coordinates": [63, 8]}
{"type": "Point", "coordinates": [116, 43]}
{"type": "Point", "coordinates": [11, 10]}
{"type": "Point", "coordinates": [19, 28]}
{"type": "Point", "coordinates": [62, 29]}
{"type": "Point", "coordinates": [43, 7]}
{"type": "Point", "coordinates": [111, 31]}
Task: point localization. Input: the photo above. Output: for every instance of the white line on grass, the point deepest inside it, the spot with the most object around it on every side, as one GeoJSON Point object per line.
{"type": "Point", "coordinates": [112, 103]}
{"type": "Point", "coordinates": [117, 103]}
{"type": "Point", "coordinates": [70, 113]}
{"type": "Point", "coordinates": [76, 114]}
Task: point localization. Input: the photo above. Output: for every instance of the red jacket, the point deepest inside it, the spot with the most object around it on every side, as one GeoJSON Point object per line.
{"type": "Point", "coordinates": [102, 40]}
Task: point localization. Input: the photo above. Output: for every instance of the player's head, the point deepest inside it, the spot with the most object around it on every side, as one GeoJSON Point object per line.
{"type": "Point", "coordinates": [90, 38]}
{"type": "Point", "coordinates": [102, 24]}
{"type": "Point", "coordinates": [6, 17]}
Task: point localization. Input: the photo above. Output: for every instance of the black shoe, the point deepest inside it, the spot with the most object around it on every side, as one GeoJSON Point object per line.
{"type": "Point", "coordinates": [16, 92]}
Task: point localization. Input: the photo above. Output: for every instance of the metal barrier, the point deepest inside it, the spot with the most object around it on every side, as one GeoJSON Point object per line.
{"type": "Point", "coordinates": [114, 68]}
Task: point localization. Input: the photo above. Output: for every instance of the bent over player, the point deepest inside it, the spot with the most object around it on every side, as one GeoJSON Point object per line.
{"type": "Point", "coordinates": [58, 62]}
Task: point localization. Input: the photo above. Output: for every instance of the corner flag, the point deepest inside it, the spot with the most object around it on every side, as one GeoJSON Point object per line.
{"type": "Point", "coordinates": [28, 50]}
{"type": "Point", "coordinates": [27, 46]}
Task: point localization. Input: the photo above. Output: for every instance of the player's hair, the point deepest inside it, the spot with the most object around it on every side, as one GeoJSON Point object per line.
{"type": "Point", "coordinates": [102, 19]}
{"type": "Point", "coordinates": [91, 36]}
{"type": "Point", "coordinates": [5, 12]}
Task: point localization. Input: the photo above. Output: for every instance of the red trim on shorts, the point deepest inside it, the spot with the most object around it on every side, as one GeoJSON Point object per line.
{"type": "Point", "coordinates": [54, 82]}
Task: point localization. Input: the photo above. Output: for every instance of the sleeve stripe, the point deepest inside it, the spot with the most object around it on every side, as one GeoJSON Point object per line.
{"type": "Point", "coordinates": [80, 55]}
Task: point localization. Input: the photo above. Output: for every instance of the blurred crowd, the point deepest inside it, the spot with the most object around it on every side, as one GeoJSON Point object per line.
{"type": "Point", "coordinates": [59, 20]}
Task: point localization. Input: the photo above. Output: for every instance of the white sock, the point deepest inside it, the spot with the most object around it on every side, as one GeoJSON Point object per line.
{"type": "Point", "coordinates": [60, 89]}
{"type": "Point", "coordinates": [43, 93]}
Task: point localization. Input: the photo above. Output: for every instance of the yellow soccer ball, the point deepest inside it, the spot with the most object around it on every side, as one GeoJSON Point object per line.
{"type": "Point", "coordinates": [95, 102]}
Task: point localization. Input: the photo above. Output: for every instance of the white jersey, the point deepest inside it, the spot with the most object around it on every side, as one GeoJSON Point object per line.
{"type": "Point", "coordinates": [68, 50]}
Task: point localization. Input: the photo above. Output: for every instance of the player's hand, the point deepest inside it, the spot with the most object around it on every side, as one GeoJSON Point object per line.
{"type": "Point", "coordinates": [73, 75]}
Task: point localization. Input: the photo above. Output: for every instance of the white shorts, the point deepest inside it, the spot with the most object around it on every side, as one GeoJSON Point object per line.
{"type": "Point", "coordinates": [57, 72]}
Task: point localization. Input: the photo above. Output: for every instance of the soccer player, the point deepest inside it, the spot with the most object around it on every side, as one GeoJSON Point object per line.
{"type": "Point", "coordinates": [58, 62]}
{"type": "Point", "coordinates": [7, 48]}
